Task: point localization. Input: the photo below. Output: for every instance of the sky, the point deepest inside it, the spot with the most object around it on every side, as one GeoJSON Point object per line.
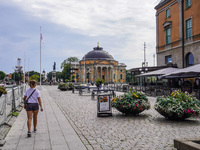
{"type": "Point", "coordinates": [72, 28]}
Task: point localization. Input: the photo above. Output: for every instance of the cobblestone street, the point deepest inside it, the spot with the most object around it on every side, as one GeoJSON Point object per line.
{"type": "Point", "coordinates": [148, 131]}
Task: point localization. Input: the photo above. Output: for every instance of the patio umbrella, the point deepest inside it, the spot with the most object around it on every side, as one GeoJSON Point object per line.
{"type": "Point", "coordinates": [189, 72]}
{"type": "Point", "coordinates": [159, 72]}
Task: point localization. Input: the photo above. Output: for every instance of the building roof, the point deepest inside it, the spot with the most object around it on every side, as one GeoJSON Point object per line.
{"type": "Point", "coordinates": [161, 3]}
{"type": "Point", "coordinates": [98, 53]}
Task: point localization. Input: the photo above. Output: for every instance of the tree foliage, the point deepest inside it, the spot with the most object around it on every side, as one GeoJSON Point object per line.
{"type": "Point", "coordinates": [2, 75]}
{"type": "Point", "coordinates": [34, 77]}
{"type": "Point", "coordinates": [16, 76]}
{"type": "Point", "coordinates": [66, 72]}
{"type": "Point", "coordinates": [32, 73]}
{"type": "Point", "coordinates": [68, 61]}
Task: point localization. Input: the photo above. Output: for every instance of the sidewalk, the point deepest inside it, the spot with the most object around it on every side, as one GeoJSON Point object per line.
{"type": "Point", "coordinates": [53, 130]}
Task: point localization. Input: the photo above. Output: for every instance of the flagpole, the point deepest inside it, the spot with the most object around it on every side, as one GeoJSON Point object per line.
{"type": "Point", "coordinates": [84, 69]}
{"type": "Point", "coordinates": [40, 54]}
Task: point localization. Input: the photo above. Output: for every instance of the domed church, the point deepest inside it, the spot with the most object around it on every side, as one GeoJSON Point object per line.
{"type": "Point", "coordinates": [100, 64]}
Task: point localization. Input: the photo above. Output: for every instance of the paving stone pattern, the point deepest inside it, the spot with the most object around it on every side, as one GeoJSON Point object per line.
{"type": "Point", "coordinates": [53, 131]}
{"type": "Point", "coordinates": [147, 131]}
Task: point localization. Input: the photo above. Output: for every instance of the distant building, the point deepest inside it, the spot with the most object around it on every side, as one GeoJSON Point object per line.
{"type": "Point", "coordinates": [178, 32]}
{"type": "Point", "coordinates": [100, 64]}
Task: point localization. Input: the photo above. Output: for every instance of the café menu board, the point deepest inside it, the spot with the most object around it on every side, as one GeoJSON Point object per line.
{"type": "Point", "coordinates": [104, 103]}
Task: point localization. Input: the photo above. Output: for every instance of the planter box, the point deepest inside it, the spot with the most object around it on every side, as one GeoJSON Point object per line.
{"type": "Point", "coordinates": [187, 144]}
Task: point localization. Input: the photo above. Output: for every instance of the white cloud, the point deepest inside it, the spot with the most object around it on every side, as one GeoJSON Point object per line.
{"type": "Point", "coordinates": [131, 21]}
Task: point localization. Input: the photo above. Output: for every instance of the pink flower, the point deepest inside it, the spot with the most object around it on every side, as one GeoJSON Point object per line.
{"type": "Point", "coordinates": [185, 111]}
{"type": "Point", "coordinates": [121, 105]}
{"type": "Point", "coordinates": [135, 108]}
{"type": "Point", "coordinates": [188, 111]}
{"type": "Point", "coordinates": [136, 105]}
{"type": "Point", "coordinates": [129, 104]}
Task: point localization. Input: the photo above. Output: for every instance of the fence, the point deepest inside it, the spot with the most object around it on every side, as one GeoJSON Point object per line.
{"type": "Point", "coordinates": [10, 103]}
{"type": "Point", "coordinates": [155, 90]}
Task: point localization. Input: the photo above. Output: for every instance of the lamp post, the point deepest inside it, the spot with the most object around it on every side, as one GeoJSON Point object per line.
{"type": "Point", "coordinates": [19, 68]}
{"type": "Point", "coordinates": [143, 70]}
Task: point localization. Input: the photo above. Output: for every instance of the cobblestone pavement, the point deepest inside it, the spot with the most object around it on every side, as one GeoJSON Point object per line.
{"type": "Point", "coordinates": [148, 131]}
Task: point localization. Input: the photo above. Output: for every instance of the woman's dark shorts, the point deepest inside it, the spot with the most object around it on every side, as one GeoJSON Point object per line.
{"type": "Point", "coordinates": [32, 107]}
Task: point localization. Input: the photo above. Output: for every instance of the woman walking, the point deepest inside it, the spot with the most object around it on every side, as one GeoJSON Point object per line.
{"type": "Point", "coordinates": [32, 100]}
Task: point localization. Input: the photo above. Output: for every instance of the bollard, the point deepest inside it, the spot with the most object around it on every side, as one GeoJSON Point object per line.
{"type": "Point", "coordinates": [92, 95]}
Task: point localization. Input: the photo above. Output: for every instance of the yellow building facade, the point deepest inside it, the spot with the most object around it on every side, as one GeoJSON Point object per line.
{"type": "Point", "coordinates": [100, 64]}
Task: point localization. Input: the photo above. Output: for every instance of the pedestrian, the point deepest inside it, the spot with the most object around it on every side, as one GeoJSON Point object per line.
{"type": "Point", "coordinates": [100, 84]}
{"type": "Point", "coordinates": [32, 100]}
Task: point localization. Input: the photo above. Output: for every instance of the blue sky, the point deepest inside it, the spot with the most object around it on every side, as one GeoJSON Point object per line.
{"type": "Point", "coordinates": [73, 28]}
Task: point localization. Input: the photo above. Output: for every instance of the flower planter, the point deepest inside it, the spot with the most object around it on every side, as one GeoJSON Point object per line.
{"type": "Point", "coordinates": [63, 89]}
{"type": "Point", "coordinates": [173, 116]}
{"type": "Point", "coordinates": [65, 86]}
{"type": "Point", "coordinates": [177, 106]}
{"type": "Point", "coordinates": [129, 111]}
{"type": "Point", "coordinates": [132, 103]}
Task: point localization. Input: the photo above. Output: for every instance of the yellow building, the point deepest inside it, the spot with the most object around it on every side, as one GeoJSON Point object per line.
{"type": "Point", "coordinates": [100, 64]}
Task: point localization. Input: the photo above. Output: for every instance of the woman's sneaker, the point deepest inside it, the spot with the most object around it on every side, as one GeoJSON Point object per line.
{"type": "Point", "coordinates": [29, 134]}
{"type": "Point", "coordinates": [35, 130]}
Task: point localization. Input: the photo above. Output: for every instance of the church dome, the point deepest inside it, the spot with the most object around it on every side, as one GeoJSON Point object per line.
{"type": "Point", "coordinates": [98, 53]}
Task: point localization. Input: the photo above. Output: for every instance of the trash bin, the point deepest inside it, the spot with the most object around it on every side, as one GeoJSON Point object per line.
{"type": "Point", "coordinates": [104, 105]}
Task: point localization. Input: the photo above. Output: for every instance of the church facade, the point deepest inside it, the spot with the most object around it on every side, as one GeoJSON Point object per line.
{"type": "Point", "coordinates": [100, 64]}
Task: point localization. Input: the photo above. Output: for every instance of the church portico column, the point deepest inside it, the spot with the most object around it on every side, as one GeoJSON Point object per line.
{"type": "Point", "coordinates": [101, 72]}
{"type": "Point", "coordinates": [107, 79]}
{"type": "Point", "coordinates": [111, 74]}
{"type": "Point", "coordinates": [94, 74]}
{"type": "Point", "coordinates": [80, 74]}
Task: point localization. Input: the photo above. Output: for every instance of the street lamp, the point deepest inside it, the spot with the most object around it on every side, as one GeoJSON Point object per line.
{"type": "Point", "coordinates": [143, 70]}
{"type": "Point", "coordinates": [19, 68]}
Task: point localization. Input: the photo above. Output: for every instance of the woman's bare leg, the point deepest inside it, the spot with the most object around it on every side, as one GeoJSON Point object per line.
{"type": "Point", "coordinates": [29, 115]}
{"type": "Point", "coordinates": [35, 113]}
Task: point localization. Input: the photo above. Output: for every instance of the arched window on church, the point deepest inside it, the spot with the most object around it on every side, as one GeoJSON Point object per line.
{"type": "Point", "coordinates": [189, 59]}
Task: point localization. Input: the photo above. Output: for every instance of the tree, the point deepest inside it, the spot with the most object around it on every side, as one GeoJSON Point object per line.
{"type": "Point", "coordinates": [32, 73]}
{"type": "Point", "coordinates": [49, 76]}
{"type": "Point", "coordinates": [66, 72]}
{"type": "Point", "coordinates": [16, 77]}
{"type": "Point", "coordinates": [2, 75]}
{"type": "Point", "coordinates": [34, 77]}
{"type": "Point", "coordinates": [68, 61]}
{"type": "Point", "coordinates": [58, 75]}
{"type": "Point", "coordinates": [66, 65]}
